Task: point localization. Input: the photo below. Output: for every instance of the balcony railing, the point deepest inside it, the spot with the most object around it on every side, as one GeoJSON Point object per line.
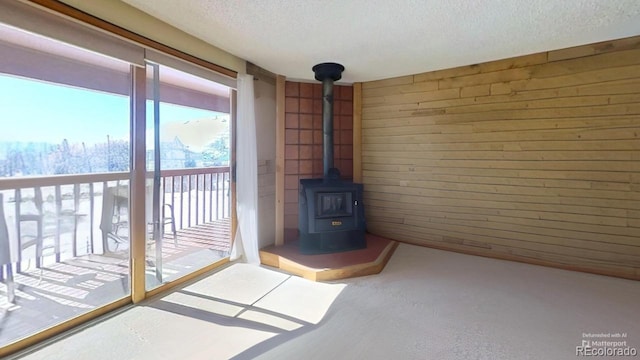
{"type": "Point", "coordinates": [204, 192]}
{"type": "Point", "coordinates": [65, 216]}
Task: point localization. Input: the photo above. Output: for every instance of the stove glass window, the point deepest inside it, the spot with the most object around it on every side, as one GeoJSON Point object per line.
{"type": "Point", "coordinates": [333, 204]}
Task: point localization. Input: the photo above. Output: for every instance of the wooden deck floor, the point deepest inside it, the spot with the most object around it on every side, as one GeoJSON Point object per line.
{"type": "Point", "coordinates": [61, 291]}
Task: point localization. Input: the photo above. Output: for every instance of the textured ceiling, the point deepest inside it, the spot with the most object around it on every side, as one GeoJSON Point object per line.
{"type": "Point", "coordinates": [377, 39]}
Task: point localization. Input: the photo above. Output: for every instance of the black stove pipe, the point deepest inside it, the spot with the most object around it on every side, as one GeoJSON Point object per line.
{"type": "Point", "coordinates": [327, 73]}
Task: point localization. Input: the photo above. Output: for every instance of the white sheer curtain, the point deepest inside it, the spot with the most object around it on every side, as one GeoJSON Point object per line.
{"type": "Point", "coordinates": [245, 245]}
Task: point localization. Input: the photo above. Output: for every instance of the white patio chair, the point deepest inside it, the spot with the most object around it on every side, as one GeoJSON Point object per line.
{"type": "Point", "coordinates": [167, 216]}
{"type": "Point", "coordinates": [115, 215]}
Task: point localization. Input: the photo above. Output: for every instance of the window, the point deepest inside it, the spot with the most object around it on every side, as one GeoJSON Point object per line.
{"type": "Point", "coordinates": [188, 198]}
{"type": "Point", "coordinates": [68, 107]}
{"type": "Point", "coordinates": [64, 144]}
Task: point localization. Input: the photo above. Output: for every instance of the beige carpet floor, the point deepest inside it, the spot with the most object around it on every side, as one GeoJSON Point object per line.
{"type": "Point", "coordinates": [426, 304]}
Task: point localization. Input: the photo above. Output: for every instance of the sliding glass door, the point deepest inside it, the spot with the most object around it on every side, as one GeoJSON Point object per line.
{"type": "Point", "coordinates": [114, 172]}
{"type": "Point", "coordinates": [64, 182]}
{"type": "Point", "coordinates": [188, 182]}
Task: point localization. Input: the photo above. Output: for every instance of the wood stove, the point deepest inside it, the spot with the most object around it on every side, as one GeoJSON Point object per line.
{"type": "Point", "coordinates": [331, 212]}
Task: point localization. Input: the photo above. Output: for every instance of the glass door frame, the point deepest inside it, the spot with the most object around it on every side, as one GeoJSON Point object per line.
{"type": "Point", "coordinates": [138, 183]}
{"type": "Point", "coordinates": [136, 45]}
{"type": "Point", "coordinates": [139, 292]}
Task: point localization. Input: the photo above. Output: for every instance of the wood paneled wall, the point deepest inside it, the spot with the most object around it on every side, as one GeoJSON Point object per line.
{"type": "Point", "coordinates": [535, 158]}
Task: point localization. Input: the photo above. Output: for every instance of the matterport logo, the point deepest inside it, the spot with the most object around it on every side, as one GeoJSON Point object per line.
{"type": "Point", "coordinates": [605, 344]}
